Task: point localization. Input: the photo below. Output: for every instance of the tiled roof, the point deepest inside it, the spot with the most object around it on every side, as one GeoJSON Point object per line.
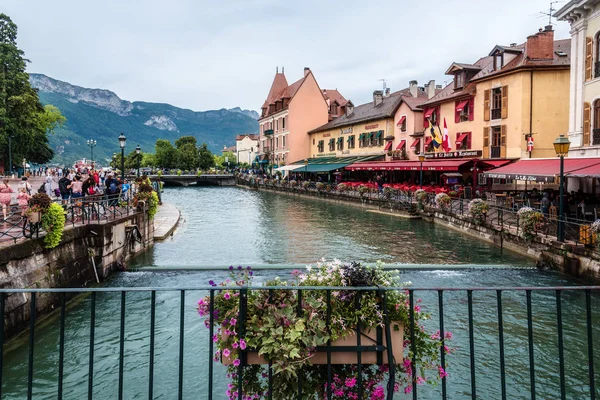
{"type": "Point", "coordinates": [230, 148]}
{"type": "Point", "coordinates": [368, 111]}
{"type": "Point", "coordinates": [333, 94]}
{"type": "Point", "coordinates": [252, 136]}
{"type": "Point", "coordinates": [279, 84]}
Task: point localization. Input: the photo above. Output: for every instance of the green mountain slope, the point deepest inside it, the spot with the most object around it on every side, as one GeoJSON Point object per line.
{"type": "Point", "coordinates": [99, 114]}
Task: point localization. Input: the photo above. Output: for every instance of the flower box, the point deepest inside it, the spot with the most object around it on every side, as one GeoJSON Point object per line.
{"type": "Point", "coordinates": [369, 338]}
{"type": "Point", "coordinates": [35, 217]}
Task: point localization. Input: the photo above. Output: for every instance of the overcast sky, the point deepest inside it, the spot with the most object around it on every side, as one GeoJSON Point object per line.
{"type": "Point", "coordinates": [201, 54]}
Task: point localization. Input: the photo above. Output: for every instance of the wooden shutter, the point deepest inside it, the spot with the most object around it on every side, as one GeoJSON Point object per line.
{"type": "Point", "coordinates": [469, 134]}
{"type": "Point", "coordinates": [589, 50]}
{"type": "Point", "coordinates": [503, 141]}
{"type": "Point", "coordinates": [587, 123]}
{"type": "Point", "coordinates": [486, 142]}
{"type": "Point", "coordinates": [471, 109]}
{"type": "Point", "coordinates": [456, 113]}
{"type": "Point", "coordinates": [504, 102]}
{"type": "Point", "coordinates": [486, 106]}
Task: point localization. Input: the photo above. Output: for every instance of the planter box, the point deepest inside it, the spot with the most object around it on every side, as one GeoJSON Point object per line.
{"type": "Point", "coordinates": [35, 217]}
{"type": "Point", "coordinates": [369, 338]}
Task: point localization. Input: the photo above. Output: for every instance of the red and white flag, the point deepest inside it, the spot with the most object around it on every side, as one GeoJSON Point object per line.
{"type": "Point", "coordinates": [446, 144]}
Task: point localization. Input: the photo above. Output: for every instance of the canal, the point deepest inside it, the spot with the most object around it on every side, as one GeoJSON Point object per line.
{"type": "Point", "coordinates": [232, 226]}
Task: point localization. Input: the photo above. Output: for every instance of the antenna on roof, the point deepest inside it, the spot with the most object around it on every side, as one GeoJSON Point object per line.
{"type": "Point", "coordinates": [384, 81]}
{"type": "Point", "coordinates": [549, 12]}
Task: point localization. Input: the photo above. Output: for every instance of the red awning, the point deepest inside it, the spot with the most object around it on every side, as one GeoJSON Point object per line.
{"type": "Point", "coordinates": [401, 120]}
{"type": "Point", "coordinates": [494, 163]}
{"type": "Point", "coordinates": [545, 170]}
{"type": "Point", "coordinates": [428, 141]}
{"type": "Point", "coordinates": [446, 165]}
{"type": "Point", "coordinates": [462, 105]}
{"type": "Point", "coordinates": [401, 145]}
{"type": "Point", "coordinates": [415, 143]}
{"type": "Point", "coordinates": [460, 139]}
{"type": "Point", "coordinates": [428, 113]}
{"type": "Point", "coordinates": [388, 145]}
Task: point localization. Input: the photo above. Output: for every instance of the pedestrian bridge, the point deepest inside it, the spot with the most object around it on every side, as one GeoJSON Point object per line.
{"type": "Point", "coordinates": [199, 180]}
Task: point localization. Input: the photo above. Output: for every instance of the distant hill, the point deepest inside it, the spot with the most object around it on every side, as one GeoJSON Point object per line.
{"type": "Point", "coordinates": [101, 115]}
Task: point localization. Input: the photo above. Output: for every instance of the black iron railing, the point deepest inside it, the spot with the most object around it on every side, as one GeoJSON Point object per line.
{"type": "Point", "coordinates": [495, 152]}
{"type": "Point", "coordinates": [496, 113]}
{"type": "Point", "coordinates": [595, 137]}
{"type": "Point", "coordinates": [578, 300]}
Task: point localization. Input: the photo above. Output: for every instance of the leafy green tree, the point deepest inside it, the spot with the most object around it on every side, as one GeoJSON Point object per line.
{"type": "Point", "coordinates": [205, 157]}
{"type": "Point", "coordinates": [185, 140]}
{"type": "Point", "coordinates": [221, 160]}
{"type": "Point", "coordinates": [166, 155]}
{"type": "Point", "coordinates": [149, 160]}
{"type": "Point", "coordinates": [131, 160]}
{"type": "Point", "coordinates": [22, 116]}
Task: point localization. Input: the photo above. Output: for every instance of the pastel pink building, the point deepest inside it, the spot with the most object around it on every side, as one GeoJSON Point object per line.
{"type": "Point", "coordinates": [289, 113]}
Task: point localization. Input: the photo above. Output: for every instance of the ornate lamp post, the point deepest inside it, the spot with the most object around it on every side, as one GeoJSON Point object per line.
{"type": "Point", "coordinates": [138, 151]}
{"type": "Point", "coordinates": [122, 141]}
{"type": "Point", "coordinates": [421, 159]}
{"type": "Point", "coordinates": [561, 146]}
{"type": "Point", "coordinates": [92, 144]}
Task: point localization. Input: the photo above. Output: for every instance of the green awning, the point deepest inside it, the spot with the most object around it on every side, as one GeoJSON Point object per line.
{"type": "Point", "coordinates": [371, 134]}
{"type": "Point", "coordinates": [379, 134]}
{"type": "Point", "coordinates": [340, 140]}
{"type": "Point", "coordinates": [332, 140]}
{"type": "Point", "coordinates": [362, 135]}
{"type": "Point", "coordinates": [350, 138]}
{"type": "Point", "coordinates": [322, 167]}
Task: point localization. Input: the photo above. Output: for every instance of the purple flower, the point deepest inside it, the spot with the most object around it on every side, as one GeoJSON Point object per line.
{"type": "Point", "coordinates": [232, 321]}
{"type": "Point", "coordinates": [236, 362]}
{"type": "Point", "coordinates": [248, 267]}
{"type": "Point", "coordinates": [226, 353]}
{"type": "Point", "coordinates": [239, 267]}
{"type": "Point", "coordinates": [242, 344]}
{"type": "Point", "coordinates": [250, 273]}
{"type": "Point", "coordinates": [212, 283]}
{"type": "Point", "coordinates": [227, 296]}
{"type": "Point", "coordinates": [215, 338]}
{"type": "Point", "coordinates": [231, 267]}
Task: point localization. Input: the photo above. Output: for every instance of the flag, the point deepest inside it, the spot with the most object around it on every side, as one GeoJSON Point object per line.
{"type": "Point", "coordinates": [437, 139]}
{"type": "Point", "coordinates": [446, 144]}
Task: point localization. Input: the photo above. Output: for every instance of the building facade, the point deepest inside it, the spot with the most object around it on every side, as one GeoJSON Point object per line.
{"type": "Point", "coordinates": [497, 107]}
{"type": "Point", "coordinates": [289, 113]}
{"type": "Point", "coordinates": [384, 127]}
{"type": "Point", "coordinates": [246, 148]}
{"type": "Point", "coordinates": [584, 102]}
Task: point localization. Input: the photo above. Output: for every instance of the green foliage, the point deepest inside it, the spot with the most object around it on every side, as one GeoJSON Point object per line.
{"type": "Point", "coordinates": [205, 158]}
{"type": "Point", "coordinates": [478, 209]}
{"type": "Point", "coordinates": [220, 160]}
{"type": "Point", "coordinates": [41, 201]}
{"type": "Point", "coordinates": [147, 195]}
{"type": "Point", "coordinates": [53, 222]}
{"type": "Point", "coordinates": [529, 222]}
{"type": "Point", "coordinates": [22, 115]}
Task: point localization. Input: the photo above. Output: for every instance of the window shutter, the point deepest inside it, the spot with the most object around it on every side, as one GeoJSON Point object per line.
{"type": "Point", "coordinates": [469, 141]}
{"type": "Point", "coordinates": [587, 119]}
{"type": "Point", "coordinates": [503, 141]}
{"type": "Point", "coordinates": [456, 113]}
{"type": "Point", "coordinates": [438, 115]}
{"type": "Point", "coordinates": [486, 142]}
{"type": "Point", "coordinates": [486, 106]}
{"type": "Point", "coordinates": [425, 122]}
{"type": "Point", "coordinates": [471, 109]}
{"type": "Point", "coordinates": [589, 50]}
{"type": "Point", "coordinates": [504, 102]}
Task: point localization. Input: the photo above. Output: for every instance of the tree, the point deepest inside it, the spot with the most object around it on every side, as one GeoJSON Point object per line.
{"type": "Point", "coordinates": [205, 157]}
{"type": "Point", "coordinates": [229, 156]}
{"type": "Point", "coordinates": [185, 140]}
{"type": "Point", "coordinates": [131, 160]}
{"type": "Point", "coordinates": [149, 160]}
{"type": "Point", "coordinates": [22, 116]}
{"type": "Point", "coordinates": [166, 154]}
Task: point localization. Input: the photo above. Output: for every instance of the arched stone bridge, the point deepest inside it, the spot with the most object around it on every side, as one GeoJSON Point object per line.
{"type": "Point", "coordinates": [202, 180]}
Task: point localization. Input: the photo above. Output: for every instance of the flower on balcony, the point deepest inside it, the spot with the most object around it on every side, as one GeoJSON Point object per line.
{"type": "Point", "coordinates": [279, 330]}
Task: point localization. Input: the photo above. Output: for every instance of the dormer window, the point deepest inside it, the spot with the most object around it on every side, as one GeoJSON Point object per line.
{"type": "Point", "coordinates": [349, 109]}
{"type": "Point", "coordinates": [459, 80]}
{"type": "Point", "coordinates": [498, 60]}
{"type": "Point", "coordinates": [334, 109]}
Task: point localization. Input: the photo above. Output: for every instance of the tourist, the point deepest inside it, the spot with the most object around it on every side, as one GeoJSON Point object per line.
{"type": "Point", "coordinates": [5, 197]}
{"type": "Point", "coordinates": [48, 186]}
{"type": "Point", "coordinates": [25, 185]}
{"type": "Point", "coordinates": [545, 204]}
{"type": "Point", "coordinates": [64, 187]}
{"type": "Point", "coordinates": [89, 187]}
{"type": "Point", "coordinates": [112, 190]}
{"type": "Point", "coordinates": [125, 189]}
{"type": "Point", "coordinates": [76, 187]}
{"type": "Point", "coordinates": [23, 200]}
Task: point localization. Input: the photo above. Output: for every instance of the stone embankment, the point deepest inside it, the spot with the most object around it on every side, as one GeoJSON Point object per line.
{"type": "Point", "coordinates": [165, 221]}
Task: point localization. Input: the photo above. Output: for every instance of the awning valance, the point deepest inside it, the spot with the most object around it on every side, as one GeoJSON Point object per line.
{"type": "Point", "coordinates": [388, 146]}
{"type": "Point", "coordinates": [445, 165]}
{"type": "Point", "coordinates": [288, 168]}
{"type": "Point", "coordinates": [378, 134]}
{"type": "Point", "coordinates": [401, 120]}
{"type": "Point", "coordinates": [461, 105]}
{"type": "Point", "coordinates": [428, 141]}
{"type": "Point", "coordinates": [361, 136]}
{"type": "Point", "coordinates": [428, 112]}
{"type": "Point", "coordinates": [416, 143]}
{"type": "Point", "coordinates": [546, 170]}
{"type": "Point", "coordinates": [461, 138]}
{"type": "Point", "coordinates": [401, 145]}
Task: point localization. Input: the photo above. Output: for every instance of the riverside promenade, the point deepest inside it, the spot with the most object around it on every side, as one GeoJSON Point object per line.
{"type": "Point", "coordinates": [165, 221]}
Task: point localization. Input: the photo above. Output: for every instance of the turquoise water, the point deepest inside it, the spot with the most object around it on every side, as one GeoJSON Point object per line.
{"type": "Point", "coordinates": [224, 226]}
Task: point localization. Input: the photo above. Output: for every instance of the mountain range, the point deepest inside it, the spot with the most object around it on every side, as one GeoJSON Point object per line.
{"type": "Point", "coordinates": [101, 115]}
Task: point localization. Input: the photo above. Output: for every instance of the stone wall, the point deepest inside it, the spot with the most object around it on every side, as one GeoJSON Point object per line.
{"type": "Point", "coordinates": [29, 265]}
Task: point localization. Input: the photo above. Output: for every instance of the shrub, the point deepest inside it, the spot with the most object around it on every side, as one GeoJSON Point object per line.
{"type": "Point", "coordinates": [306, 184]}
{"type": "Point", "coordinates": [529, 222]}
{"type": "Point", "coordinates": [478, 209]}
{"type": "Point", "coordinates": [53, 222]}
{"type": "Point", "coordinates": [293, 183]}
{"type": "Point", "coordinates": [443, 201]}
{"type": "Point", "coordinates": [320, 186]}
{"type": "Point", "coordinates": [342, 187]}
{"type": "Point", "coordinates": [40, 202]}
{"type": "Point", "coordinates": [151, 199]}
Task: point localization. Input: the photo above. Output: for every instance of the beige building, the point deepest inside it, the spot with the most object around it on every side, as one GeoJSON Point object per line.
{"type": "Point", "coordinates": [246, 148]}
{"type": "Point", "coordinates": [383, 128]}
{"type": "Point", "coordinates": [584, 102]}
{"type": "Point", "coordinates": [289, 113]}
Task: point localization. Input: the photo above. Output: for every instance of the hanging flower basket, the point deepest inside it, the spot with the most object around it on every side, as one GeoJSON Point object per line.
{"type": "Point", "coordinates": [35, 217]}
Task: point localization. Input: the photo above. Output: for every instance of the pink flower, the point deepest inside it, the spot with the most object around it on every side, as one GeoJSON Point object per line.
{"type": "Point", "coordinates": [418, 308]}
{"type": "Point", "coordinates": [350, 382]}
{"type": "Point", "coordinates": [226, 352]}
{"type": "Point", "coordinates": [242, 344]}
{"type": "Point", "coordinates": [407, 389]}
{"type": "Point", "coordinates": [378, 394]}
{"type": "Point", "coordinates": [215, 338]}
{"type": "Point", "coordinates": [420, 380]}
{"type": "Point", "coordinates": [235, 345]}
{"type": "Point", "coordinates": [227, 296]}
{"type": "Point", "coordinates": [443, 373]}
{"type": "Point", "coordinates": [233, 321]}
{"type": "Point", "coordinates": [448, 335]}
{"type": "Point", "coordinates": [236, 362]}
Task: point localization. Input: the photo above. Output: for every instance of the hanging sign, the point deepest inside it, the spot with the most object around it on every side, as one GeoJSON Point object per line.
{"type": "Point", "coordinates": [530, 144]}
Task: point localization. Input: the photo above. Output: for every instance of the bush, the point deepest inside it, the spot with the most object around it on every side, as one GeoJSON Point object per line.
{"type": "Point", "coordinates": [320, 186]}
{"type": "Point", "coordinates": [478, 209]}
{"type": "Point", "coordinates": [40, 202]}
{"type": "Point", "coordinates": [293, 183]}
{"type": "Point", "coordinates": [53, 222]}
{"type": "Point", "coordinates": [306, 184]}
{"type": "Point", "coordinates": [442, 200]}
{"type": "Point", "coordinates": [151, 199]}
{"type": "Point", "coordinates": [529, 222]}
{"type": "Point", "coordinates": [342, 187]}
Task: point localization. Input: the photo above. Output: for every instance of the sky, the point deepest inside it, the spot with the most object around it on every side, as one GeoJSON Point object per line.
{"type": "Point", "coordinates": [205, 55]}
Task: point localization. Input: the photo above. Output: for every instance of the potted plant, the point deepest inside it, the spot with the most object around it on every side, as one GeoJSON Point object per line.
{"type": "Point", "coordinates": [595, 229]}
{"type": "Point", "coordinates": [478, 210]}
{"type": "Point", "coordinates": [276, 331]}
{"type": "Point", "coordinates": [529, 222]}
{"type": "Point", "coordinates": [38, 205]}
{"type": "Point", "coordinates": [443, 201]}
{"type": "Point", "coordinates": [320, 186]}
{"type": "Point", "coordinates": [305, 185]}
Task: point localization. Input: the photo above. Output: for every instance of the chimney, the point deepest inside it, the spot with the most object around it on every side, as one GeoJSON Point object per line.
{"type": "Point", "coordinates": [377, 97]}
{"type": "Point", "coordinates": [431, 89]}
{"type": "Point", "coordinates": [387, 92]}
{"type": "Point", "coordinates": [541, 45]}
{"type": "Point", "coordinates": [306, 71]}
{"type": "Point", "coordinates": [413, 88]}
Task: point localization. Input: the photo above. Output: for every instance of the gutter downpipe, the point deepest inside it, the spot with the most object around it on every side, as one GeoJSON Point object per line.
{"type": "Point", "coordinates": [530, 106]}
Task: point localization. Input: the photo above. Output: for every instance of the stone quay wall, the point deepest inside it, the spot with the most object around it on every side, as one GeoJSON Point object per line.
{"type": "Point", "coordinates": [27, 264]}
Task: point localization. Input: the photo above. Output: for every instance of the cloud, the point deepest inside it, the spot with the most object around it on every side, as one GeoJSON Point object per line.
{"type": "Point", "coordinates": [209, 55]}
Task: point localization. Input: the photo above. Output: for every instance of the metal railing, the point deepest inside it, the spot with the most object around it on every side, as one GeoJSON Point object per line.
{"type": "Point", "coordinates": [508, 327]}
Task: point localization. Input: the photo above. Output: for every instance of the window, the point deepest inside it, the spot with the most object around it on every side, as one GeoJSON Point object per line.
{"type": "Point", "coordinates": [597, 60]}
{"type": "Point", "coordinates": [276, 143]}
{"type": "Point", "coordinates": [283, 142]}
{"type": "Point", "coordinates": [340, 144]}
{"type": "Point", "coordinates": [379, 138]}
{"type": "Point", "coordinates": [283, 124]}
{"type": "Point", "coordinates": [464, 114]}
{"type": "Point", "coordinates": [277, 126]}
{"type": "Point", "coordinates": [596, 127]}
{"type": "Point", "coordinates": [496, 142]}
{"type": "Point", "coordinates": [481, 180]}
{"type": "Point", "coordinates": [313, 141]}
{"type": "Point", "coordinates": [351, 143]}
{"type": "Point", "coordinates": [363, 140]}
{"type": "Point", "coordinates": [321, 146]}
{"type": "Point", "coordinates": [334, 109]}
{"type": "Point", "coordinates": [331, 144]}
{"type": "Point", "coordinates": [497, 103]}
{"type": "Point", "coordinates": [402, 123]}
{"type": "Point", "coordinates": [498, 60]}
{"type": "Point", "coordinates": [463, 141]}
{"type": "Point", "coordinates": [459, 80]}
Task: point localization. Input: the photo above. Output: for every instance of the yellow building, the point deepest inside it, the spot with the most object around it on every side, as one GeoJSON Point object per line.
{"type": "Point", "coordinates": [383, 128]}
{"type": "Point", "coordinates": [515, 96]}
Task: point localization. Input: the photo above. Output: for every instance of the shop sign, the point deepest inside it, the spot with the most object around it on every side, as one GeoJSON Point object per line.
{"type": "Point", "coordinates": [327, 155]}
{"type": "Point", "coordinates": [372, 126]}
{"type": "Point", "coordinates": [346, 130]}
{"type": "Point", "coordinates": [455, 154]}
{"type": "Point", "coordinates": [346, 152]}
{"type": "Point", "coordinates": [326, 134]}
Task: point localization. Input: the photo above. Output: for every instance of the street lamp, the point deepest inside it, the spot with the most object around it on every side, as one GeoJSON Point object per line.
{"type": "Point", "coordinates": [138, 150]}
{"type": "Point", "coordinates": [561, 146]}
{"type": "Point", "coordinates": [92, 144]}
{"type": "Point", "coordinates": [122, 140]}
{"type": "Point", "coordinates": [421, 159]}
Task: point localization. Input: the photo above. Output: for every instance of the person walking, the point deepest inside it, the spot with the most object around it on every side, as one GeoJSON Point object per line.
{"type": "Point", "coordinates": [76, 187]}
{"type": "Point", "coordinates": [48, 186]}
{"type": "Point", "coordinates": [23, 200]}
{"type": "Point", "coordinates": [5, 197]}
{"type": "Point", "coordinates": [24, 184]}
{"type": "Point", "coordinates": [63, 187]}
